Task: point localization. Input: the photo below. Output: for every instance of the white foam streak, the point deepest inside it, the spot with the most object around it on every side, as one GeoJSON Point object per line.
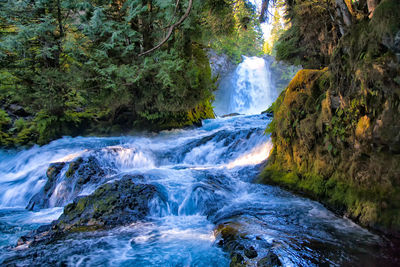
{"type": "Point", "coordinates": [190, 234]}
{"type": "Point", "coordinates": [128, 158]}
{"type": "Point", "coordinates": [256, 156]}
{"type": "Point", "coordinates": [70, 157]}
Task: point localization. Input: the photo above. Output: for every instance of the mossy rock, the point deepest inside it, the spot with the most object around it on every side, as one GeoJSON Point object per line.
{"type": "Point", "coordinates": [73, 166]}
{"type": "Point", "coordinates": [386, 19]}
{"type": "Point", "coordinates": [115, 204]}
{"type": "Point", "coordinates": [118, 203]}
{"type": "Point", "coordinates": [54, 170]}
{"type": "Point", "coordinates": [62, 190]}
{"type": "Point", "coordinates": [270, 260]}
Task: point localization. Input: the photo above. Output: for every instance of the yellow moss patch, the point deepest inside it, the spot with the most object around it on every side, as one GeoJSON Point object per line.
{"type": "Point", "coordinates": [362, 127]}
{"type": "Point", "coordinates": [367, 213]}
{"type": "Point", "coordinates": [302, 78]}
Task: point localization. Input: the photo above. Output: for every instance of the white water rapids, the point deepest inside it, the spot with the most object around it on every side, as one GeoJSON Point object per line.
{"type": "Point", "coordinates": [205, 175]}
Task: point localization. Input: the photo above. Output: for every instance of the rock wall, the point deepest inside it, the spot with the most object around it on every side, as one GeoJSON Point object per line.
{"type": "Point", "coordinates": [220, 64]}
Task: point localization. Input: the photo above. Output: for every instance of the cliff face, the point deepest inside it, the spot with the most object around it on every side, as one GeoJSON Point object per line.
{"type": "Point", "coordinates": [336, 131]}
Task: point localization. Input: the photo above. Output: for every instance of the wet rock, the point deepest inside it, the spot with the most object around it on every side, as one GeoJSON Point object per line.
{"type": "Point", "coordinates": [54, 170]}
{"type": "Point", "coordinates": [61, 189]}
{"type": "Point", "coordinates": [73, 166]}
{"type": "Point", "coordinates": [115, 204]}
{"type": "Point", "coordinates": [118, 203]}
{"type": "Point", "coordinates": [241, 245]}
{"type": "Point", "coordinates": [237, 260]}
{"type": "Point", "coordinates": [44, 235]}
{"type": "Point", "coordinates": [40, 200]}
{"type": "Point", "coordinates": [232, 238]}
{"type": "Point", "coordinates": [229, 236]}
{"type": "Point", "coordinates": [220, 64]}
{"type": "Point", "coordinates": [269, 113]}
{"type": "Point", "coordinates": [230, 115]}
{"type": "Point", "coordinates": [270, 260]}
{"type": "Point", "coordinates": [85, 170]}
{"type": "Point", "coordinates": [250, 253]}
{"type": "Point", "coordinates": [17, 110]}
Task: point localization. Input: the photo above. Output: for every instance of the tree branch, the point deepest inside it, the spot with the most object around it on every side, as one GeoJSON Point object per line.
{"type": "Point", "coordinates": [171, 29]}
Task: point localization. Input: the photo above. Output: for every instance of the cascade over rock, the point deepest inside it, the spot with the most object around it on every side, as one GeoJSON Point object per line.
{"type": "Point", "coordinates": [186, 194]}
{"type": "Point", "coordinates": [247, 90]}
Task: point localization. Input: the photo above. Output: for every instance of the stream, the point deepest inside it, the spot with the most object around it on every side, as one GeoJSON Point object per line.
{"type": "Point", "coordinates": [206, 178]}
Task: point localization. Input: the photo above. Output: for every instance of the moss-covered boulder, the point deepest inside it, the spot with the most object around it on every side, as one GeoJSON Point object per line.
{"type": "Point", "coordinates": [118, 203]}
{"type": "Point", "coordinates": [114, 204]}
{"type": "Point", "coordinates": [336, 131]}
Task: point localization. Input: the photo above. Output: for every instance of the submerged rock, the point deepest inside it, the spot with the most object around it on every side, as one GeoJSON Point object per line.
{"type": "Point", "coordinates": [244, 250]}
{"type": "Point", "coordinates": [270, 260]}
{"type": "Point", "coordinates": [250, 252]}
{"type": "Point", "coordinates": [230, 115]}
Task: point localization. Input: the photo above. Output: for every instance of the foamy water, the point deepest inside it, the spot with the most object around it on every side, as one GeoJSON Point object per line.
{"type": "Point", "coordinates": [204, 178]}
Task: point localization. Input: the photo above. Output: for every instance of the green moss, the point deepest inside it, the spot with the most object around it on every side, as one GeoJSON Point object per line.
{"type": "Point", "coordinates": [313, 183]}
{"type": "Point", "coordinates": [80, 206]}
{"type": "Point", "coordinates": [386, 19]}
{"type": "Point", "coordinates": [288, 46]}
{"type": "Point", "coordinates": [73, 166]}
{"type": "Point", "coordinates": [361, 204]}
{"type": "Point", "coordinates": [273, 174]}
{"type": "Point", "coordinates": [322, 148]}
{"type": "Point", "coordinates": [84, 228]}
{"type": "Point", "coordinates": [4, 123]}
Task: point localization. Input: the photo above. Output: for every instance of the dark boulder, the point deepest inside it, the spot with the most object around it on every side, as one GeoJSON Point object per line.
{"type": "Point", "coordinates": [119, 203]}
{"type": "Point", "coordinates": [250, 252]}
{"type": "Point", "coordinates": [54, 170]}
{"type": "Point", "coordinates": [243, 247]}
{"type": "Point", "coordinates": [270, 260]}
{"type": "Point", "coordinates": [40, 200]}
{"type": "Point", "coordinates": [17, 111]}
{"type": "Point", "coordinates": [61, 188]}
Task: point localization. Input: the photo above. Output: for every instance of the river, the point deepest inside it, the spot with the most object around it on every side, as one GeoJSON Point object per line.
{"type": "Point", "coordinates": [206, 178]}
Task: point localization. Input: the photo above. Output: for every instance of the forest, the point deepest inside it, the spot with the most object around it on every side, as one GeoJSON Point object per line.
{"type": "Point", "coordinates": [103, 67]}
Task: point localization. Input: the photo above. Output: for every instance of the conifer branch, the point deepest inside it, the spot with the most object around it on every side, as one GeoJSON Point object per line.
{"type": "Point", "coordinates": [171, 29]}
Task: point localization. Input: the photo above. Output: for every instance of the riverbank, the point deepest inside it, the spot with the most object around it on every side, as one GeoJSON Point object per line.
{"type": "Point", "coordinates": [336, 132]}
{"type": "Point", "coordinates": [199, 197]}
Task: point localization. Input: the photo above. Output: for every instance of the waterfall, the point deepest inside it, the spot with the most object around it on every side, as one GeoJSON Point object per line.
{"type": "Point", "coordinates": [203, 177]}
{"type": "Point", "coordinates": [249, 89]}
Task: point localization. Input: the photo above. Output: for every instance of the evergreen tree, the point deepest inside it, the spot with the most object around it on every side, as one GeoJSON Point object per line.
{"type": "Point", "coordinates": [103, 66]}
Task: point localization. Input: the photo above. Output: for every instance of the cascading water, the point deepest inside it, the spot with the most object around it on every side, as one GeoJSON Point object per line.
{"type": "Point", "coordinates": [204, 179]}
{"type": "Point", "coordinates": [247, 90]}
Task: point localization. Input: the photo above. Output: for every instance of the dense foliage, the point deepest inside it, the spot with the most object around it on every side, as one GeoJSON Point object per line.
{"type": "Point", "coordinates": [79, 67]}
{"type": "Point", "coordinates": [244, 38]}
